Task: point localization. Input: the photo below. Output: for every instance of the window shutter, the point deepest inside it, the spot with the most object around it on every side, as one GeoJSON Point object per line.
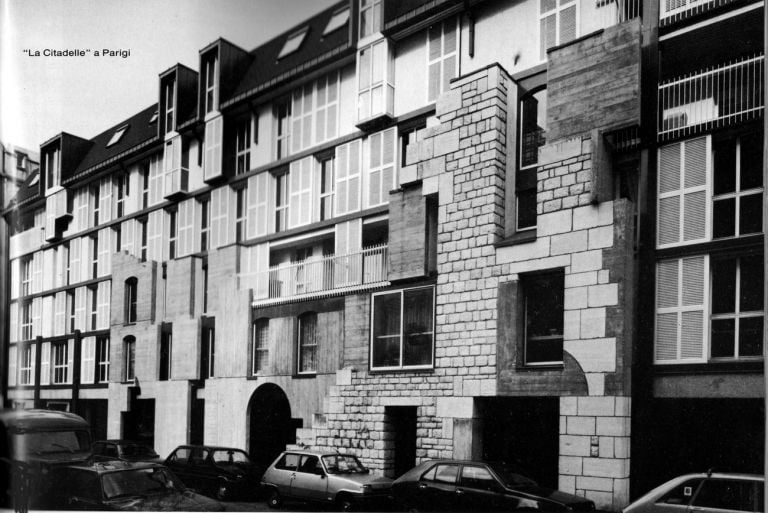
{"type": "Point", "coordinates": [37, 272]}
{"type": "Point", "coordinates": [81, 308]}
{"type": "Point", "coordinates": [185, 220]}
{"type": "Point", "coordinates": [46, 324]}
{"type": "Point", "coordinates": [15, 277]}
{"type": "Point", "coordinates": [60, 266]}
{"type": "Point", "coordinates": [155, 235]}
{"type": "Point", "coordinates": [682, 286]}
{"type": "Point", "coordinates": [213, 131]}
{"type": "Point", "coordinates": [348, 264]}
{"type": "Point", "coordinates": [381, 167]}
{"type": "Point", "coordinates": [353, 176]}
{"type": "Point", "coordinates": [45, 364]}
{"type": "Point", "coordinates": [70, 358]}
{"type": "Point", "coordinates": [74, 261]}
{"type": "Point", "coordinates": [548, 34]}
{"type": "Point", "coordinates": [87, 357]}
{"type": "Point", "coordinates": [257, 205]}
{"type": "Point", "coordinates": [105, 200]}
{"type": "Point", "coordinates": [300, 177]}
{"type": "Point", "coordinates": [37, 316]}
{"type": "Point", "coordinates": [103, 296]}
{"type": "Point", "coordinates": [33, 366]}
{"type": "Point", "coordinates": [128, 236]}
{"type": "Point", "coordinates": [81, 209]}
{"type": "Point", "coordinates": [220, 202]}
{"type": "Point", "coordinates": [342, 166]}
{"type": "Point", "coordinates": [567, 24]}
{"type": "Point", "coordinates": [14, 322]}
{"type": "Point", "coordinates": [60, 314]}
{"type": "Point", "coordinates": [155, 180]}
{"type": "Point", "coordinates": [86, 254]}
{"type": "Point", "coordinates": [12, 359]}
{"type": "Point", "coordinates": [104, 266]}
{"type": "Point", "coordinates": [695, 198]}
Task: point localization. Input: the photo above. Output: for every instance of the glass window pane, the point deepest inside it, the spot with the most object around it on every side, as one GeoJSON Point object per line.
{"type": "Point", "coordinates": [723, 286]}
{"type": "Point", "coordinates": [751, 336]}
{"type": "Point", "coordinates": [544, 305]}
{"type": "Point", "coordinates": [751, 161]}
{"type": "Point", "coordinates": [365, 68]}
{"type": "Point", "coordinates": [418, 326]}
{"type": "Point", "coordinates": [729, 494]}
{"type": "Point", "coordinates": [723, 332]}
{"type": "Point", "coordinates": [751, 296]}
{"type": "Point", "coordinates": [526, 209]}
{"type": "Point", "coordinates": [724, 156]}
{"type": "Point", "coordinates": [534, 126]}
{"type": "Point", "coordinates": [447, 474]}
{"type": "Point", "coordinates": [386, 330]}
{"type": "Point", "coordinates": [724, 215]}
{"type": "Point", "coordinates": [751, 214]}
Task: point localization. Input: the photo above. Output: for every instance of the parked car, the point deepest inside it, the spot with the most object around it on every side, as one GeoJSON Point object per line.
{"type": "Point", "coordinates": [125, 450]}
{"type": "Point", "coordinates": [31, 443]}
{"type": "Point", "coordinates": [711, 492]}
{"type": "Point", "coordinates": [221, 472]}
{"type": "Point", "coordinates": [453, 485]}
{"type": "Point", "coordinates": [325, 477]}
{"type": "Point", "coordinates": [123, 485]}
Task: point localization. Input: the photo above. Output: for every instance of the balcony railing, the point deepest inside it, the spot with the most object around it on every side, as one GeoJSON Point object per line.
{"type": "Point", "coordinates": [315, 277]}
{"type": "Point", "coordinates": [727, 94]}
{"type": "Point", "coordinates": [671, 11]}
{"type": "Point", "coordinates": [613, 12]}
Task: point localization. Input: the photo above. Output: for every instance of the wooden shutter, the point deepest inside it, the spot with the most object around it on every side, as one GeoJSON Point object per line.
{"type": "Point", "coordinates": [87, 359]}
{"type": "Point", "coordinates": [684, 193]}
{"type": "Point", "coordinates": [258, 205]}
{"type": "Point", "coordinates": [104, 266]}
{"type": "Point", "coordinates": [70, 359]}
{"type": "Point", "coordinates": [12, 359]}
{"type": "Point", "coordinates": [48, 257]}
{"type": "Point", "coordinates": [103, 296]}
{"type": "Point", "coordinates": [254, 267]}
{"type": "Point", "coordinates": [548, 34]}
{"type": "Point", "coordinates": [82, 219]}
{"type": "Point", "coordinates": [381, 166]}
{"type": "Point", "coordinates": [348, 177]}
{"type": "Point", "coordinates": [348, 262]}
{"type": "Point", "coordinates": [37, 316]}
{"type": "Point", "coordinates": [37, 272]}
{"type": "Point", "coordinates": [156, 180]}
{"type": "Point", "coordinates": [682, 287]}
{"type": "Point", "coordinates": [81, 308]}
{"type": "Point", "coordinates": [434, 51]}
{"type": "Point", "coordinates": [155, 235]}
{"type": "Point", "coordinates": [300, 202]}
{"type": "Point", "coordinates": [15, 277]}
{"type": "Point", "coordinates": [212, 164]}
{"type": "Point", "coordinates": [86, 255]}
{"type": "Point", "coordinates": [128, 237]}
{"type": "Point", "coordinates": [60, 314]}
{"type": "Point", "coordinates": [567, 20]}
{"type": "Point", "coordinates": [47, 320]}
{"type": "Point", "coordinates": [14, 322]}
{"type": "Point", "coordinates": [33, 364]}
{"type": "Point", "coordinates": [62, 260]}
{"type": "Point", "coordinates": [105, 200]}
{"type": "Point", "coordinates": [74, 261]}
{"type": "Point", "coordinates": [186, 223]}
{"type": "Point", "coordinates": [45, 364]}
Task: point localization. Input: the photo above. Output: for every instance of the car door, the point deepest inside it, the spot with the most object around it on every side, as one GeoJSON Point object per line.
{"type": "Point", "coordinates": [283, 472]}
{"type": "Point", "coordinates": [310, 481]}
{"type": "Point", "coordinates": [437, 488]}
{"type": "Point", "coordinates": [200, 471]}
{"type": "Point", "coordinates": [478, 490]}
{"type": "Point", "coordinates": [723, 495]}
{"type": "Point", "coordinates": [178, 462]}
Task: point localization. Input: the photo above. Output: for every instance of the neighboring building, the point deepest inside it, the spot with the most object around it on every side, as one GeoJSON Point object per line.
{"type": "Point", "coordinates": [407, 230]}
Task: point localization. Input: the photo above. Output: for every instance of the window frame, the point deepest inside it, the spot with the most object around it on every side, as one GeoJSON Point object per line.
{"type": "Point", "coordinates": [327, 191]}
{"type": "Point", "coordinates": [526, 173]}
{"type": "Point", "coordinates": [169, 91]}
{"type": "Point", "coordinates": [165, 356]}
{"type": "Point", "coordinates": [443, 57]}
{"type": "Point", "coordinates": [173, 232]}
{"type": "Point", "coordinates": [241, 213]}
{"type": "Point", "coordinates": [205, 223]}
{"type": "Point", "coordinates": [376, 10]}
{"type": "Point", "coordinates": [281, 199]}
{"type": "Point", "coordinates": [243, 146]}
{"type": "Point", "coordinates": [557, 12]}
{"type": "Point", "coordinates": [129, 358]}
{"type": "Point", "coordinates": [260, 352]}
{"type": "Point", "coordinates": [402, 334]}
{"type": "Point", "coordinates": [131, 300]}
{"type": "Point", "coordinates": [211, 84]}
{"type": "Point", "coordinates": [26, 365]}
{"type": "Point", "coordinates": [102, 359]}
{"type": "Point", "coordinates": [310, 345]}
{"type": "Point", "coordinates": [283, 122]}
{"type": "Point", "coordinates": [531, 282]}
{"type": "Point", "coordinates": [60, 372]}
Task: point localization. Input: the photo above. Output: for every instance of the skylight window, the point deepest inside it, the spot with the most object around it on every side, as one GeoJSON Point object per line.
{"type": "Point", "coordinates": [153, 118]}
{"type": "Point", "coordinates": [338, 20]}
{"type": "Point", "coordinates": [35, 179]}
{"type": "Point", "coordinates": [117, 135]}
{"type": "Point", "coordinates": [293, 42]}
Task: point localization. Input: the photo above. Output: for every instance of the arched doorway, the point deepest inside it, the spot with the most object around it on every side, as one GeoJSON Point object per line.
{"type": "Point", "coordinates": [270, 427]}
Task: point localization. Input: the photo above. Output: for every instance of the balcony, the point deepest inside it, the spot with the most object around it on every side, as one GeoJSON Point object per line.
{"type": "Point", "coordinates": [721, 96]}
{"type": "Point", "coordinates": [324, 276]}
{"type": "Point", "coordinates": [176, 182]}
{"type": "Point", "coordinates": [608, 13]}
{"type": "Point", "coordinates": [672, 11]}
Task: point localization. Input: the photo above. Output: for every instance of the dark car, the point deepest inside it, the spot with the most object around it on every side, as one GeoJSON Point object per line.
{"type": "Point", "coordinates": [712, 492]}
{"type": "Point", "coordinates": [221, 472]}
{"type": "Point", "coordinates": [31, 443]}
{"type": "Point", "coordinates": [123, 485]}
{"type": "Point", "coordinates": [125, 450]}
{"type": "Point", "coordinates": [451, 485]}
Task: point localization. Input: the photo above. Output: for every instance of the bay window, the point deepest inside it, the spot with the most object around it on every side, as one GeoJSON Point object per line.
{"type": "Point", "coordinates": [403, 329]}
{"type": "Point", "coordinates": [375, 81]}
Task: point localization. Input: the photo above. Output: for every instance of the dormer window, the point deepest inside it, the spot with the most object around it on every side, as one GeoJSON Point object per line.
{"type": "Point", "coordinates": [153, 118]}
{"type": "Point", "coordinates": [370, 17]}
{"type": "Point", "coordinates": [338, 20]}
{"type": "Point", "coordinates": [170, 94]}
{"type": "Point", "coordinates": [211, 83]}
{"type": "Point", "coordinates": [117, 135]}
{"type": "Point", "coordinates": [52, 163]}
{"type": "Point", "coordinates": [293, 42]}
{"type": "Point", "coordinates": [21, 160]}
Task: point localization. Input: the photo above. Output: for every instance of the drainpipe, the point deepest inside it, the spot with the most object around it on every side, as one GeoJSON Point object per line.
{"type": "Point", "coordinates": [765, 256]}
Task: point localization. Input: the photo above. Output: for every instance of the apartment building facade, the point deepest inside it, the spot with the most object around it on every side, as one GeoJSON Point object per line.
{"type": "Point", "coordinates": [405, 230]}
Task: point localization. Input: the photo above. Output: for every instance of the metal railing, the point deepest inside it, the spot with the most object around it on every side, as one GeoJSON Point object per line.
{"type": "Point", "coordinates": [613, 12]}
{"type": "Point", "coordinates": [671, 11]}
{"type": "Point", "coordinates": [316, 276]}
{"type": "Point", "coordinates": [719, 96]}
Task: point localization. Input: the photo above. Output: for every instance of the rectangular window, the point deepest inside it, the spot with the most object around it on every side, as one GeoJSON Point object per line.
{"type": "Point", "coordinates": [240, 214]}
{"type": "Point", "coordinates": [558, 23]}
{"type": "Point", "coordinates": [145, 185]}
{"type": "Point", "coordinates": [87, 360]}
{"type": "Point", "coordinates": [60, 359]}
{"type": "Point", "coordinates": [96, 199]}
{"type": "Point", "coordinates": [94, 255]}
{"type": "Point", "coordinates": [26, 275]}
{"type": "Point", "coordinates": [205, 223]}
{"type": "Point", "coordinates": [142, 223]}
{"type": "Point", "coordinates": [442, 57]}
{"type": "Point", "coordinates": [71, 309]}
{"type": "Point", "coordinates": [172, 233]}
{"type": "Point", "coordinates": [403, 329]}
{"type": "Point", "coordinates": [129, 352]}
{"type": "Point", "coordinates": [348, 181]}
{"type": "Point", "coordinates": [26, 320]}
{"type": "Point", "coordinates": [544, 295]}
{"type": "Point", "coordinates": [281, 202]}
{"type": "Point", "coordinates": [102, 359]}
{"type": "Point", "coordinates": [52, 163]}
{"type": "Point", "coordinates": [166, 341]}
{"type": "Point", "coordinates": [307, 363]}
{"type": "Point", "coordinates": [301, 120]}
{"type": "Point", "coordinates": [211, 83]}
{"type": "Point", "coordinates": [94, 306]}
{"type": "Point", "coordinates": [375, 81]}
{"type": "Point", "coordinates": [170, 105]}
{"type": "Point", "coordinates": [326, 188]}
{"type": "Point", "coordinates": [27, 365]}
{"type": "Point", "coordinates": [300, 187]}
{"type": "Point", "coordinates": [370, 17]}
{"type": "Point", "coordinates": [131, 291]}
{"type": "Point", "coordinates": [121, 186]}
{"type": "Point", "coordinates": [260, 346]}
{"type": "Point", "coordinates": [117, 237]}
{"type": "Point", "coordinates": [283, 129]}
{"type": "Point", "coordinates": [208, 352]}
{"type": "Point", "coordinates": [243, 146]}
{"type": "Point", "coordinates": [327, 107]}
{"type": "Point", "coordinates": [533, 130]}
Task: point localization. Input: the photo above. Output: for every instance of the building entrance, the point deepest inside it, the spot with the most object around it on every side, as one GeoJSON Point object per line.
{"type": "Point", "coordinates": [270, 427]}
{"type": "Point", "coordinates": [139, 422]}
{"type": "Point", "coordinates": [401, 422]}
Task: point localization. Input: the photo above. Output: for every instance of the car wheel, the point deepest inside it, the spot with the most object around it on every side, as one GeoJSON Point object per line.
{"type": "Point", "coordinates": [274, 500]}
{"type": "Point", "coordinates": [221, 491]}
{"type": "Point", "coordinates": [410, 508]}
{"type": "Point", "coordinates": [345, 503]}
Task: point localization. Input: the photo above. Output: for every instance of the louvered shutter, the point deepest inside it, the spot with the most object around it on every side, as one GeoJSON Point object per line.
{"type": "Point", "coordinates": [81, 209]}
{"type": "Point", "coordinates": [212, 164]}
{"type": "Point", "coordinates": [70, 359]}
{"type": "Point", "coordinates": [258, 205]}
{"type": "Point", "coordinates": [12, 359]}
{"type": "Point", "coordinates": [548, 34]}
{"type": "Point", "coordinates": [381, 167]}
{"type": "Point", "coordinates": [682, 287]}
{"type": "Point", "coordinates": [33, 364]}
{"type": "Point", "coordinates": [37, 316]}
{"type": "Point", "coordinates": [103, 296]}
{"type": "Point", "coordinates": [60, 266]}
{"type": "Point", "coordinates": [86, 255]}
{"type": "Point", "coordinates": [128, 237]}
{"type": "Point", "coordinates": [46, 324]}
{"type": "Point", "coordinates": [87, 358]}
{"type": "Point", "coordinates": [60, 314]}
{"type": "Point", "coordinates": [185, 220]}
{"type": "Point", "coordinates": [37, 272]}
{"type": "Point", "coordinates": [15, 277]}
{"type": "Point", "coordinates": [300, 188]}
{"type": "Point", "coordinates": [220, 201]}
{"type": "Point", "coordinates": [348, 261]}
{"type": "Point", "coordinates": [105, 200]}
{"type": "Point", "coordinates": [567, 24]}
{"type": "Point", "coordinates": [155, 235]}
{"type": "Point", "coordinates": [683, 190]}
{"type": "Point", "coordinates": [353, 177]}
{"type": "Point", "coordinates": [104, 265]}
{"type": "Point", "coordinates": [14, 322]}
{"type": "Point", "coordinates": [75, 274]}
{"type": "Point", "coordinates": [81, 308]}
{"type": "Point", "coordinates": [45, 364]}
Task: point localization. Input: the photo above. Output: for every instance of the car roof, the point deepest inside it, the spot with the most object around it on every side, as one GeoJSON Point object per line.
{"type": "Point", "coordinates": [723, 475]}
{"type": "Point", "coordinates": [208, 448]}
{"type": "Point", "coordinates": [103, 467]}
{"type": "Point", "coordinates": [316, 452]}
{"type": "Point", "coordinates": [40, 420]}
{"type": "Point", "coordinates": [120, 442]}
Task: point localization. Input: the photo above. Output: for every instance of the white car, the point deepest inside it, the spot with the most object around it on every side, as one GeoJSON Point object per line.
{"type": "Point", "coordinates": [707, 492]}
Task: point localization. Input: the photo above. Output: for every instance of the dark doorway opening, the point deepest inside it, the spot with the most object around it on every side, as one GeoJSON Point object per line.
{"type": "Point", "coordinates": [197, 422]}
{"type": "Point", "coordinates": [95, 412]}
{"type": "Point", "coordinates": [721, 434]}
{"type": "Point", "coordinates": [401, 423]}
{"type": "Point", "coordinates": [270, 425]}
{"type": "Point", "coordinates": [139, 422]}
{"type": "Point", "coordinates": [524, 431]}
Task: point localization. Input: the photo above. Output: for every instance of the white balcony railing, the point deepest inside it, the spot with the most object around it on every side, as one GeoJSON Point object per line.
{"type": "Point", "coordinates": [720, 96]}
{"type": "Point", "coordinates": [354, 271]}
{"type": "Point", "coordinates": [613, 12]}
{"type": "Point", "coordinates": [671, 11]}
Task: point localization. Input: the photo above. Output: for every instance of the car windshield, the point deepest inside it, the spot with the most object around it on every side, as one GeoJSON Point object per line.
{"type": "Point", "coordinates": [141, 482]}
{"type": "Point", "coordinates": [49, 442]}
{"type": "Point", "coordinates": [511, 476]}
{"type": "Point", "coordinates": [230, 456]}
{"type": "Point", "coordinates": [343, 464]}
{"type": "Point", "coordinates": [138, 450]}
